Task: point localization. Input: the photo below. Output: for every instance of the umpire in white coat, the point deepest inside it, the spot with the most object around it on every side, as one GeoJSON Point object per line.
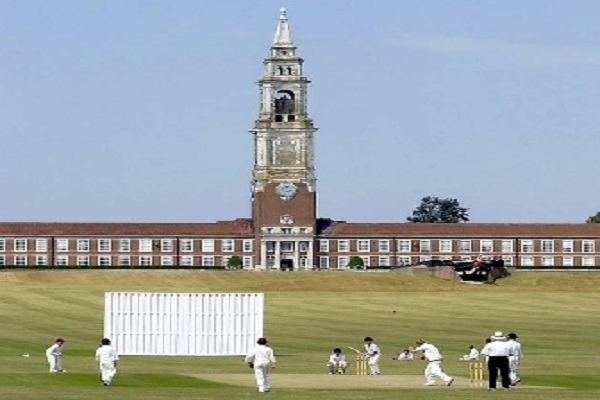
{"type": "Point", "coordinates": [262, 359]}
{"type": "Point", "coordinates": [497, 352]}
{"type": "Point", "coordinates": [107, 357]}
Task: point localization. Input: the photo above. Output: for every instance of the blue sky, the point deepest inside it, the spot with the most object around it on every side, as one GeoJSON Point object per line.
{"type": "Point", "coordinates": [139, 111]}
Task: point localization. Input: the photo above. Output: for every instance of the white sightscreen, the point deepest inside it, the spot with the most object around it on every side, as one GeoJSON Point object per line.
{"type": "Point", "coordinates": [216, 324]}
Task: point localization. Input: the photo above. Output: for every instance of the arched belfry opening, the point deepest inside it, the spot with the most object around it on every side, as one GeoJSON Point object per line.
{"type": "Point", "coordinates": [285, 106]}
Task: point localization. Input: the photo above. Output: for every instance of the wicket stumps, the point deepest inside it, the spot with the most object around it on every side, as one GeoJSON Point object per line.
{"type": "Point", "coordinates": [361, 365]}
{"type": "Point", "coordinates": [476, 373]}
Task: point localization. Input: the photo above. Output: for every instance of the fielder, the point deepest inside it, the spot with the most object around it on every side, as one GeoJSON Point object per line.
{"type": "Point", "coordinates": [107, 356]}
{"type": "Point", "coordinates": [434, 365]}
{"type": "Point", "coordinates": [373, 354]}
{"type": "Point", "coordinates": [472, 356]}
{"type": "Point", "coordinates": [337, 362]}
{"type": "Point", "coordinates": [515, 358]}
{"type": "Point", "coordinates": [262, 359]}
{"type": "Point", "coordinates": [54, 355]}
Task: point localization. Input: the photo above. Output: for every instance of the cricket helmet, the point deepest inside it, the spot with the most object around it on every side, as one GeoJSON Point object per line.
{"type": "Point", "coordinates": [368, 339]}
{"type": "Point", "coordinates": [262, 340]}
{"type": "Point", "coordinates": [512, 335]}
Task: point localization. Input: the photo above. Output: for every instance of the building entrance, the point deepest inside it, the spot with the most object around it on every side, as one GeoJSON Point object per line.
{"type": "Point", "coordinates": [287, 265]}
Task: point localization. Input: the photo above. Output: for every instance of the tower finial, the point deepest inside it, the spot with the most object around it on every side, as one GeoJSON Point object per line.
{"type": "Point", "coordinates": [282, 35]}
{"type": "Point", "coordinates": [283, 14]}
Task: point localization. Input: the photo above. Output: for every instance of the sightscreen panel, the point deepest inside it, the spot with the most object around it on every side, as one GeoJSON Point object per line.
{"type": "Point", "coordinates": [180, 324]}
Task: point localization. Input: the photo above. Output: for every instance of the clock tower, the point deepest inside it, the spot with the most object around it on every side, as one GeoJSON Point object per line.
{"type": "Point", "coordinates": [283, 179]}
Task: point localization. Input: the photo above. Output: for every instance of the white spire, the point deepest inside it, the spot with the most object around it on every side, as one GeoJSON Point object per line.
{"type": "Point", "coordinates": [282, 35]}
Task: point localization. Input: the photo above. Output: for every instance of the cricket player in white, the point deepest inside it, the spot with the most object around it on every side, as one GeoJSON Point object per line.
{"type": "Point", "coordinates": [373, 354]}
{"type": "Point", "coordinates": [54, 355]}
{"type": "Point", "coordinates": [515, 358]}
{"type": "Point", "coordinates": [107, 356]}
{"type": "Point", "coordinates": [472, 356]}
{"type": "Point", "coordinates": [337, 362]}
{"type": "Point", "coordinates": [434, 365]}
{"type": "Point", "coordinates": [262, 359]}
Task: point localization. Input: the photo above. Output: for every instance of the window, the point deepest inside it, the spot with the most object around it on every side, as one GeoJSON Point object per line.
{"type": "Point", "coordinates": [404, 261]}
{"type": "Point", "coordinates": [145, 245]}
{"type": "Point", "coordinates": [20, 245]}
{"type": "Point", "coordinates": [445, 246]}
{"type": "Point", "coordinates": [567, 246]}
{"type": "Point", "coordinates": [208, 261]}
{"type": "Point", "coordinates": [41, 245]}
{"type": "Point", "coordinates": [567, 261]}
{"type": "Point", "coordinates": [3, 245]}
{"type": "Point", "coordinates": [62, 245]}
{"type": "Point", "coordinates": [465, 246]}
{"type": "Point", "coordinates": [366, 261]}
{"type": "Point", "coordinates": [208, 245]}
{"type": "Point", "coordinates": [486, 246]}
{"type": "Point", "coordinates": [404, 246]}
{"type": "Point", "coordinates": [287, 246]}
{"type": "Point", "coordinates": [527, 246]}
{"type": "Point", "coordinates": [425, 246]}
{"type": "Point", "coordinates": [588, 261]}
{"type": "Point", "coordinates": [20, 260]}
{"type": "Point", "coordinates": [166, 260]}
{"type": "Point", "coordinates": [508, 260]}
{"type": "Point", "coordinates": [527, 261]}
{"type": "Point", "coordinates": [424, 258]}
{"type": "Point", "coordinates": [124, 261]}
{"type": "Point", "coordinates": [41, 260]}
{"type": "Point", "coordinates": [547, 261]}
{"type": "Point", "coordinates": [547, 246]}
{"type": "Point", "coordinates": [384, 261]}
{"type": "Point", "coordinates": [104, 245]}
{"type": "Point", "coordinates": [343, 261]}
{"type": "Point", "coordinates": [323, 262]}
{"type": "Point", "coordinates": [2, 261]}
{"type": "Point", "coordinates": [225, 261]}
{"type": "Point", "coordinates": [187, 245]}
{"type": "Point", "coordinates": [587, 246]}
{"type": "Point", "coordinates": [227, 245]}
{"type": "Point", "coordinates": [187, 261]}
{"type": "Point", "coordinates": [145, 261]}
{"type": "Point", "coordinates": [83, 245]}
{"type": "Point", "coordinates": [507, 246]}
{"type": "Point", "coordinates": [247, 244]}
{"type": "Point", "coordinates": [104, 261]}
{"type": "Point", "coordinates": [384, 246]}
{"type": "Point", "coordinates": [363, 246]}
{"type": "Point", "coordinates": [83, 260]}
{"type": "Point", "coordinates": [343, 246]}
{"type": "Point", "coordinates": [62, 261]}
{"type": "Point", "coordinates": [247, 262]}
{"type": "Point", "coordinates": [124, 245]}
{"type": "Point", "coordinates": [166, 245]}
{"type": "Point", "coordinates": [324, 246]}
{"type": "Point", "coordinates": [303, 247]}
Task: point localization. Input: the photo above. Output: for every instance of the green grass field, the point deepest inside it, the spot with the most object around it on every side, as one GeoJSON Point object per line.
{"type": "Point", "coordinates": [307, 314]}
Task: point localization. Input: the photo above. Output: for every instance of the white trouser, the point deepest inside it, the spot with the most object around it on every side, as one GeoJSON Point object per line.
{"type": "Point", "coordinates": [513, 366]}
{"type": "Point", "coordinates": [54, 363]}
{"type": "Point", "coordinates": [433, 370]}
{"type": "Point", "coordinates": [373, 362]}
{"type": "Point", "coordinates": [335, 365]}
{"type": "Point", "coordinates": [261, 373]}
{"type": "Point", "coordinates": [108, 371]}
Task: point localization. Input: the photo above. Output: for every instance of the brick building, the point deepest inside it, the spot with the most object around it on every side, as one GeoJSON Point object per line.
{"type": "Point", "coordinates": [284, 231]}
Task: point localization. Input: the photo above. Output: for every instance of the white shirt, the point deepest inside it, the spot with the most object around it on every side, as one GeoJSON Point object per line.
{"type": "Point", "coordinates": [496, 348]}
{"type": "Point", "coordinates": [372, 349]}
{"type": "Point", "coordinates": [261, 355]}
{"type": "Point", "coordinates": [405, 356]}
{"type": "Point", "coordinates": [106, 354]}
{"type": "Point", "coordinates": [473, 354]}
{"type": "Point", "coordinates": [430, 352]}
{"type": "Point", "coordinates": [337, 358]}
{"type": "Point", "coordinates": [515, 349]}
{"type": "Point", "coordinates": [54, 350]}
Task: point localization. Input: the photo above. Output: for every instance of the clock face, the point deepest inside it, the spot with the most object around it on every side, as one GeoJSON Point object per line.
{"type": "Point", "coordinates": [286, 191]}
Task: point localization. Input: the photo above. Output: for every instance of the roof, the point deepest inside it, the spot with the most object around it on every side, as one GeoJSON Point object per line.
{"type": "Point", "coordinates": [470, 230]}
{"type": "Point", "coordinates": [238, 227]}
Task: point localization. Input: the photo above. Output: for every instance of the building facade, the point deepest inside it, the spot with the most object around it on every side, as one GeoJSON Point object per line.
{"type": "Point", "coordinates": [284, 231]}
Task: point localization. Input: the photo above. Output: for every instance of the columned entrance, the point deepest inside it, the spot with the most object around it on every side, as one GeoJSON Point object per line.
{"type": "Point", "coordinates": [287, 265]}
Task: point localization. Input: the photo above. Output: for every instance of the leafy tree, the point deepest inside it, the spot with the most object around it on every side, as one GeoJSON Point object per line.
{"type": "Point", "coordinates": [594, 219]}
{"type": "Point", "coordinates": [235, 262]}
{"type": "Point", "coordinates": [435, 209]}
{"type": "Point", "coordinates": [356, 262]}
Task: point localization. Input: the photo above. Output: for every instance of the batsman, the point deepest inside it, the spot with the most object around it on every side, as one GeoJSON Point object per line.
{"type": "Point", "coordinates": [372, 353]}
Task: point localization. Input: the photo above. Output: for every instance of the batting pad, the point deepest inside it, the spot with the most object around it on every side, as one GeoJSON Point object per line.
{"type": "Point", "coordinates": [183, 324]}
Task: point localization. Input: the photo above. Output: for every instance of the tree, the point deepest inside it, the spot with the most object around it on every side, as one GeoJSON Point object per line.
{"type": "Point", "coordinates": [356, 262]}
{"type": "Point", "coordinates": [594, 219]}
{"type": "Point", "coordinates": [235, 262]}
{"type": "Point", "coordinates": [435, 210]}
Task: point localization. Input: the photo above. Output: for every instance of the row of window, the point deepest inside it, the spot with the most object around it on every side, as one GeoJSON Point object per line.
{"type": "Point", "coordinates": [387, 261]}
{"type": "Point", "coordinates": [125, 261]}
{"type": "Point", "coordinates": [126, 245]}
{"type": "Point", "coordinates": [462, 246]}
